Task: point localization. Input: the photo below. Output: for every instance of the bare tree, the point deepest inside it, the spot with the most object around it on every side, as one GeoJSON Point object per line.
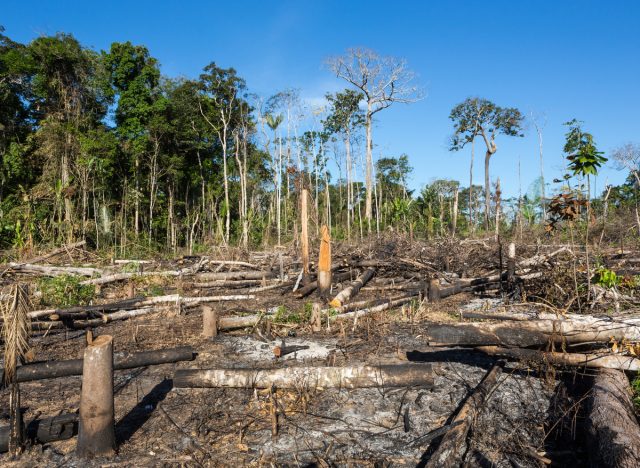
{"type": "Point", "coordinates": [383, 81]}
{"type": "Point", "coordinates": [539, 123]}
{"type": "Point", "coordinates": [628, 157]}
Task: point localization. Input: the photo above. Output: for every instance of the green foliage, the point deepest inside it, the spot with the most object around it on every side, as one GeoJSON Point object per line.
{"type": "Point", "coordinates": [284, 315]}
{"type": "Point", "coordinates": [582, 154]}
{"type": "Point", "coordinates": [65, 291]}
{"type": "Point", "coordinates": [635, 386]}
{"type": "Point", "coordinates": [605, 277]}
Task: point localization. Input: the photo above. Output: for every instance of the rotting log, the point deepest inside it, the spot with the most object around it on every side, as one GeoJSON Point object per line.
{"type": "Point", "coordinates": [96, 430]}
{"type": "Point", "coordinates": [122, 360]}
{"type": "Point", "coordinates": [613, 433]}
{"type": "Point", "coordinates": [391, 375]}
{"type": "Point", "coordinates": [531, 333]}
{"type": "Point", "coordinates": [609, 361]}
{"type": "Point", "coordinates": [453, 445]}
{"type": "Point", "coordinates": [45, 430]}
{"type": "Point", "coordinates": [353, 289]}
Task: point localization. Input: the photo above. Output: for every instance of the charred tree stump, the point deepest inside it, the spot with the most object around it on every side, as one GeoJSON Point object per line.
{"type": "Point", "coordinates": [45, 430]}
{"type": "Point", "coordinates": [96, 432]}
{"type": "Point", "coordinates": [612, 427]}
{"type": "Point", "coordinates": [453, 445]}
{"type": "Point", "coordinates": [434, 290]}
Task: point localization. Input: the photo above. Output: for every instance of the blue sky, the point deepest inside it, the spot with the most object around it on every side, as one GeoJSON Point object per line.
{"type": "Point", "coordinates": [562, 59]}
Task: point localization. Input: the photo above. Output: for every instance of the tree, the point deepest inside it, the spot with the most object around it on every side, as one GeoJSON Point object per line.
{"type": "Point", "coordinates": [221, 108]}
{"type": "Point", "coordinates": [480, 117]}
{"type": "Point", "coordinates": [383, 81]}
{"type": "Point", "coordinates": [345, 117]}
{"type": "Point", "coordinates": [134, 77]}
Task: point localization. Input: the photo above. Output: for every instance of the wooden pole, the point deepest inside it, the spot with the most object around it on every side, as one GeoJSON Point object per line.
{"type": "Point", "coordinates": [324, 264]}
{"type": "Point", "coordinates": [96, 431]}
{"type": "Point", "coordinates": [304, 236]}
{"type": "Point", "coordinates": [209, 322]}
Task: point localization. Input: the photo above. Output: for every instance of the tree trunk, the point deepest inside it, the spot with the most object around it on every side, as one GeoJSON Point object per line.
{"type": "Point", "coordinates": [487, 190]}
{"type": "Point", "coordinates": [613, 433]}
{"type": "Point", "coordinates": [369, 169]}
{"type": "Point", "coordinates": [391, 375]}
{"type": "Point", "coordinates": [304, 236]}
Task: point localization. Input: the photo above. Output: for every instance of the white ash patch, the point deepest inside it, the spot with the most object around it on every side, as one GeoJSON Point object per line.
{"type": "Point", "coordinates": [253, 349]}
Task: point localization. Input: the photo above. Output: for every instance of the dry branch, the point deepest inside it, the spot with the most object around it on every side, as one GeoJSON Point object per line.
{"type": "Point", "coordinates": [453, 446]}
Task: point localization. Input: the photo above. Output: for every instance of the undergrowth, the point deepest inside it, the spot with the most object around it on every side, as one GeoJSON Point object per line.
{"type": "Point", "coordinates": [65, 291]}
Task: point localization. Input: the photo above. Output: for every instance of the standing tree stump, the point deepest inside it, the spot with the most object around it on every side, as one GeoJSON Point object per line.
{"type": "Point", "coordinates": [324, 264]}
{"type": "Point", "coordinates": [96, 431]}
{"type": "Point", "coordinates": [209, 322]}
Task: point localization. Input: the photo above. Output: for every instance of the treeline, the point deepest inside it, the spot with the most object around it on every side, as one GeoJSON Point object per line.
{"type": "Point", "coordinates": [102, 146]}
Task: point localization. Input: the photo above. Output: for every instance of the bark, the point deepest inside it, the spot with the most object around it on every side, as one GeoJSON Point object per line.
{"type": "Point", "coordinates": [453, 446]}
{"type": "Point", "coordinates": [304, 237]}
{"type": "Point", "coordinates": [353, 289]}
{"type": "Point", "coordinates": [123, 360]}
{"type": "Point", "coordinates": [392, 375]}
{"type": "Point", "coordinates": [613, 433]}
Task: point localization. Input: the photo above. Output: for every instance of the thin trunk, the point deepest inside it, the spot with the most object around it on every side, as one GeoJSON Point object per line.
{"type": "Point", "coordinates": [369, 169]}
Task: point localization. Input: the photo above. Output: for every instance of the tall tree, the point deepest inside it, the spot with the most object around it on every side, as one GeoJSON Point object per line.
{"type": "Point", "coordinates": [481, 117]}
{"type": "Point", "coordinates": [383, 81]}
{"type": "Point", "coordinates": [134, 79]}
{"type": "Point", "coordinates": [345, 117]}
{"type": "Point", "coordinates": [221, 107]}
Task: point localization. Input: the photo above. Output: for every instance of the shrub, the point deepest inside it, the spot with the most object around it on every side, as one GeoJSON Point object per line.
{"type": "Point", "coordinates": [65, 291]}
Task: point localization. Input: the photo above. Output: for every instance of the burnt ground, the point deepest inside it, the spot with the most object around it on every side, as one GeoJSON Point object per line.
{"type": "Point", "coordinates": [532, 418]}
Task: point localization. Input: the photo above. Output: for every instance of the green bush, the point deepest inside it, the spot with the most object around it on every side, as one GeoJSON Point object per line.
{"type": "Point", "coordinates": [65, 291]}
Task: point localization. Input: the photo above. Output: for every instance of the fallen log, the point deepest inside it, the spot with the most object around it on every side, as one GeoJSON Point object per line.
{"type": "Point", "coordinates": [48, 270]}
{"type": "Point", "coordinates": [335, 278]}
{"type": "Point", "coordinates": [59, 250]}
{"type": "Point", "coordinates": [237, 275]}
{"type": "Point", "coordinates": [392, 375]}
{"type": "Point", "coordinates": [453, 445]}
{"type": "Point", "coordinates": [613, 434]}
{"type": "Point", "coordinates": [45, 430]}
{"type": "Point", "coordinates": [608, 361]}
{"type": "Point", "coordinates": [353, 289]}
{"type": "Point", "coordinates": [531, 333]}
{"type": "Point", "coordinates": [122, 360]}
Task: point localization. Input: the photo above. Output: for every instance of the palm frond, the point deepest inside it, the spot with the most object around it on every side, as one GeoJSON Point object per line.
{"type": "Point", "coordinates": [15, 330]}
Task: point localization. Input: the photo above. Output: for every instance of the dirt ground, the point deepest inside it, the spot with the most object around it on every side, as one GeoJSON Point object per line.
{"type": "Point", "coordinates": [532, 417]}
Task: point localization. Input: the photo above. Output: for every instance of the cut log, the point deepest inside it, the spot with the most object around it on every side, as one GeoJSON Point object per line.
{"type": "Point", "coordinates": [237, 275]}
{"type": "Point", "coordinates": [308, 289]}
{"type": "Point", "coordinates": [45, 430]}
{"type": "Point", "coordinates": [531, 333]}
{"type": "Point", "coordinates": [613, 433]}
{"type": "Point", "coordinates": [453, 445]}
{"type": "Point", "coordinates": [353, 289]}
{"type": "Point", "coordinates": [53, 270]}
{"type": "Point", "coordinates": [393, 375]}
{"type": "Point", "coordinates": [123, 360]}
{"type": "Point", "coordinates": [324, 263]}
{"type": "Point", "coordinates": [610, 361]}
{"type": "Point", "coordinates": [96, 430]}
{"type": "Point", "coordinates": [209, 322]}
